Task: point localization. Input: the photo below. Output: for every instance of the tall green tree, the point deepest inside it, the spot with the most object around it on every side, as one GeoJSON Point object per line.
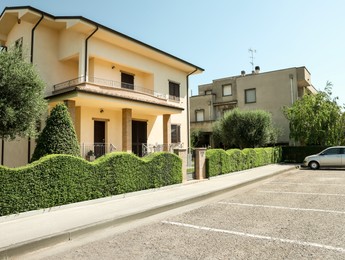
{"type": "Point", "coordinates": [316, 119]}
{"type": "Point", "coordinates": [58, 136]}
{"type": "Point", "coordinates": [21, 95]}
{"type": "Point", "coordinates": [245, 129]}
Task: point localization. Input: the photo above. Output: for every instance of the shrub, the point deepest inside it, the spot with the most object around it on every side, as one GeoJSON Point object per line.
{"type": "Point", "coordinates": [220, 162]}
{"type": "Point", "coordinates": [58, 136]}
{"type": "Point", "coordinates": [61, 179]}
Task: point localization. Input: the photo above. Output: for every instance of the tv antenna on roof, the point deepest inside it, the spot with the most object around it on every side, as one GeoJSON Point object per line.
{"type": "Point", "coordinates": [252, 51]}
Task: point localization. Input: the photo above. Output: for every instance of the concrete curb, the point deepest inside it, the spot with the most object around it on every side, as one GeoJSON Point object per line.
{"type": "Point", "coordinates": [43, 242]}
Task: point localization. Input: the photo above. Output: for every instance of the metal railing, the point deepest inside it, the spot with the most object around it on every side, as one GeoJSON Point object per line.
{"type": "Point", "coordinates": [152, 148]}
{"type": "Point", "coordinates": [112, 84]}
{"type": "Point", "coordinates": [96, 149]}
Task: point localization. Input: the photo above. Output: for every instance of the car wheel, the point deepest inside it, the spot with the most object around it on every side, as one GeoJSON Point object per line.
{"type": "Point", "coordinates": [314, 165]}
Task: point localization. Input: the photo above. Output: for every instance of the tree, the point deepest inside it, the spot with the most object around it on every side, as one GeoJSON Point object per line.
{"type": "Point", "coordinates": [245, 129]}
{"type": "Point", "coordinates": [58, 136]}
{"type": "Point", "coordinates": [21, 95]}
{"type": "Point", "coordinates": [316, 119]}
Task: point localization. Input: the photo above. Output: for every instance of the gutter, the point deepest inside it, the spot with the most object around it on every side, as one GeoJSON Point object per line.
{"type": "Point", "coordinates": [32, 38]}
{"type": "Point", "coordinates": [188, 112]}
{"type": "Point", "coordinates": [86, 50]}
{"type": "Point", "coordinates": [31, 61]}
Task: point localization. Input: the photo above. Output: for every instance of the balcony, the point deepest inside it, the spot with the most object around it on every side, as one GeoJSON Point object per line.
{"type": "Point", "coordinates": [116, 89]}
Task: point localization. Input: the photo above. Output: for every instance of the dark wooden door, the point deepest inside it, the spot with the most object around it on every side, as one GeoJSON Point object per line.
{"type": "Point", "coordinates": [99, 138]}
{"type": "Point", "coordinates": [139, 136]}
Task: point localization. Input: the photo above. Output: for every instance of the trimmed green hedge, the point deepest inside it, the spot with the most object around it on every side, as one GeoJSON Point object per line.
{"type": "Point", "coordinates": [220, 162]}
{"type": "Point", "coordinates": [62, 179]}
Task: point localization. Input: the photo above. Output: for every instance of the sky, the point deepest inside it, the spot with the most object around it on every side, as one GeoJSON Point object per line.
{"type": "Point", "coordinates": [216, 35]}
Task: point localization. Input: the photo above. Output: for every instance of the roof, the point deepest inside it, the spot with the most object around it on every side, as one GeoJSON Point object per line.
{"type": "Point", "coordinates": [194, 68]}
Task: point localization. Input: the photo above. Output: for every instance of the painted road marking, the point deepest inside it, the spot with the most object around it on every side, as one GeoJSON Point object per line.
{"type": "Point", "coordinates": [304, 183]}
{"type": "Point", "coordinates": [302, 193]}
{"type": "Point", "coordinates": [279, 207]}
{"type": "Point", "coordinates": [283, 240]}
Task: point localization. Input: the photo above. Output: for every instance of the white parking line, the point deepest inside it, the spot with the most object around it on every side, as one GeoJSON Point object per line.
{"type": "Point", "coordinates": [304, 183]}
{"type": "Point", "coordinates": [283, 240]}
{"type": "Point", "coordinates": [302, 193]}
{"type": "Point", "coordinates": [279, 207]}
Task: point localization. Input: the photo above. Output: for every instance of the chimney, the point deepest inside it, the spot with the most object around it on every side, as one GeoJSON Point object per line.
{"type": "Point", "coordinates": [257, 69]}
{"type": "Point", "coordinates": [243, 73]}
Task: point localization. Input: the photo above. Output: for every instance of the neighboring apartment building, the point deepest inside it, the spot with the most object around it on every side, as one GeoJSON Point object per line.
{"type": "Point", "coordinates": [269, 91]}
{"type": "Point", "coordinates": [121, 93]}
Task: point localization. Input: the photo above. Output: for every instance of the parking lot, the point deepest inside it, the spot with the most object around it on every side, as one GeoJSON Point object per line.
{"type": "Point", "coordinates": [297, 215]}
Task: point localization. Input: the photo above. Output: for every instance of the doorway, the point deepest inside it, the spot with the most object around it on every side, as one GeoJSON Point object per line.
{"type": "Point", "coordinates": [99, 138]}
{"type": "Point", "coordinates": [139, 136]}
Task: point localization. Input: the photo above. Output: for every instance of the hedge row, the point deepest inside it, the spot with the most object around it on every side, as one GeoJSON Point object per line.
{"type": "Point", "coordinates": [296, 154]}
{"type": "Point", "coordinates": [220, 162]}
{"type": "Point", "coordinates": [62, 179]}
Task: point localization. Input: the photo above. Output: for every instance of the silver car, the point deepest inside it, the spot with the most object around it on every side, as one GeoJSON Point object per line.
{"type": "Point", "coordinates": [330, 157]}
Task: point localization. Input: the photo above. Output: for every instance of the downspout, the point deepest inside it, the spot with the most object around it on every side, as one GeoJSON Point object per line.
{"type": "Point", "coordinates": [31, 61]}
{"type": "Point", "coordinates": [291, 88]}
{"type": "Point", "coordinates": [188, 112]}
{"type": "Point", "coordinates": [86, 46]}
{"type": "Point", "coordinates": [2, 150]}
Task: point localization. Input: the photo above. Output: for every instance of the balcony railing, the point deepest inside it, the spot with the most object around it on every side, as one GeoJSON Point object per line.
{"type": "Point", "coordinates": [112, 84]}
{"type": "Point", "coordinates": [152, 148]}
{"type": "Point", "coordinates": [96, 149]}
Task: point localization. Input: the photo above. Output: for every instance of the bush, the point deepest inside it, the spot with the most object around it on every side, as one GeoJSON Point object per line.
{"type": "Point", "coordinates": [62, 179]}
{"type": "Point", "coordinates": [220, 162]}
{"type": "Point", "coordinates": [58, 136]}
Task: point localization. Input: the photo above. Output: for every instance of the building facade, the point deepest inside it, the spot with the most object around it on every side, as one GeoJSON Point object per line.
{"type": "Point", "coordinates": [269, 91]}
{"type": "Point", "coordinates": [121, 93]}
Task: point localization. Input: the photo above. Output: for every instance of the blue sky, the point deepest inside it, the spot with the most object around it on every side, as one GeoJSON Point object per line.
{"type": "Point", "coordinates": [217, 34]}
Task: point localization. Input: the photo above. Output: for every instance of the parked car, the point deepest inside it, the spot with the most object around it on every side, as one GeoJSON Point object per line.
{"type": "Point", "coordinates": [330, 157]}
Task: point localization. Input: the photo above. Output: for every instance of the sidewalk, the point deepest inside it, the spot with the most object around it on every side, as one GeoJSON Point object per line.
{"type": "Point", "coordinates": [37, 229]}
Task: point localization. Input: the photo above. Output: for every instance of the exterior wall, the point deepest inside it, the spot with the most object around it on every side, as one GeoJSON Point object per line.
{"type": "Point", "coordinates": [204, 103]}
{"type": "Point", "coordinates": [273, 92]}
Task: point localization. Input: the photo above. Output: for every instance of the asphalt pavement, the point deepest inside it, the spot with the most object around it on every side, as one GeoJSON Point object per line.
{"type": "Point", "coordinates": [29, 231]}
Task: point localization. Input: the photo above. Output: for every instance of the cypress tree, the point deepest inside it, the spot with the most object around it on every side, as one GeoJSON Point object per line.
{"type": "Point", "coordinates": [58, 136]}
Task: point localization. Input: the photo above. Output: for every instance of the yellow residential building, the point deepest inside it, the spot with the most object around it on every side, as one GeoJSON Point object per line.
{"type": "Point", "coordinates": [121, 93]}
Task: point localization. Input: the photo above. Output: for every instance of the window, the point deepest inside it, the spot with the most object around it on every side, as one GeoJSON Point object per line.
{"type": "Point", "coordinates": [174, 91]}
{"type": "Point", "coordinates": [208, 92]}
{"type": "Point", "coordinates": [199, 115]}
{"type": "Point", "coordinates": [127, 80]}
{"type": "Point", "coordinates": [227, 90]}
{"type": "Point", "coordinates": [19, 45]}
{"type": "Point", "coordinates": [332, 151]}
{"type": "Point", "coordinates": [175, 134]}
{"type": "Point", "coordinates": [3, 48]}
{"type": "Point", "coordinates": [250, 95]}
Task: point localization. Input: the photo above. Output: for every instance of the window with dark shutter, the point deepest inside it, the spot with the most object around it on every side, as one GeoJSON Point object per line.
{"type": "Point", "coordinates": [175, 134]}
{"type": "Point", "coordinates": [127, 81]}
{"type": "Point", "coordinates": [174, 91]}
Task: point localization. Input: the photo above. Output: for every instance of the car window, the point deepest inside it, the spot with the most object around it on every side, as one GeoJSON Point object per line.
{"type": "Point", "coordinates": [332, 151]}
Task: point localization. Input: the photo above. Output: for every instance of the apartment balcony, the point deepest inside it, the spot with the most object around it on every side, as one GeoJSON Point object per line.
{"type": "Point", "coordinates": [116, 89]}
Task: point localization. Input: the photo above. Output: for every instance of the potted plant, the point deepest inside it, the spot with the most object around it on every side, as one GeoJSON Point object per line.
{"type": "Point", "coordinates": [90, 156]}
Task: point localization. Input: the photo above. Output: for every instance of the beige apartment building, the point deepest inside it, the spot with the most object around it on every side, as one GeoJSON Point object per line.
{"type": "Point", "coordinates": [270, 91]}
{"type": "Point", "coordinates": [122, 94]}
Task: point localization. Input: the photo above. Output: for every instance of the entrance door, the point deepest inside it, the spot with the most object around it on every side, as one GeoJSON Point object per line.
{"type": "Point", "coordinates": [139, 136]}
{"type": "Point", "coordinates": [99, 138]}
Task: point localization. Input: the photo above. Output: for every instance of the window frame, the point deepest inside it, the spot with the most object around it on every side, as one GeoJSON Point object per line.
{"type": "Point", "coordinates": [196, 115]}
{"type": "Point", "coordinates": [174, 90]}
{"type": "Point", "coordinates": [125, 76]}
{"type": "Point", "coordinates": [226, 85]}
{"type": "Point", "coordinates": [246, 91]}
{"type": "Point", "coordinates": [176, 135]}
